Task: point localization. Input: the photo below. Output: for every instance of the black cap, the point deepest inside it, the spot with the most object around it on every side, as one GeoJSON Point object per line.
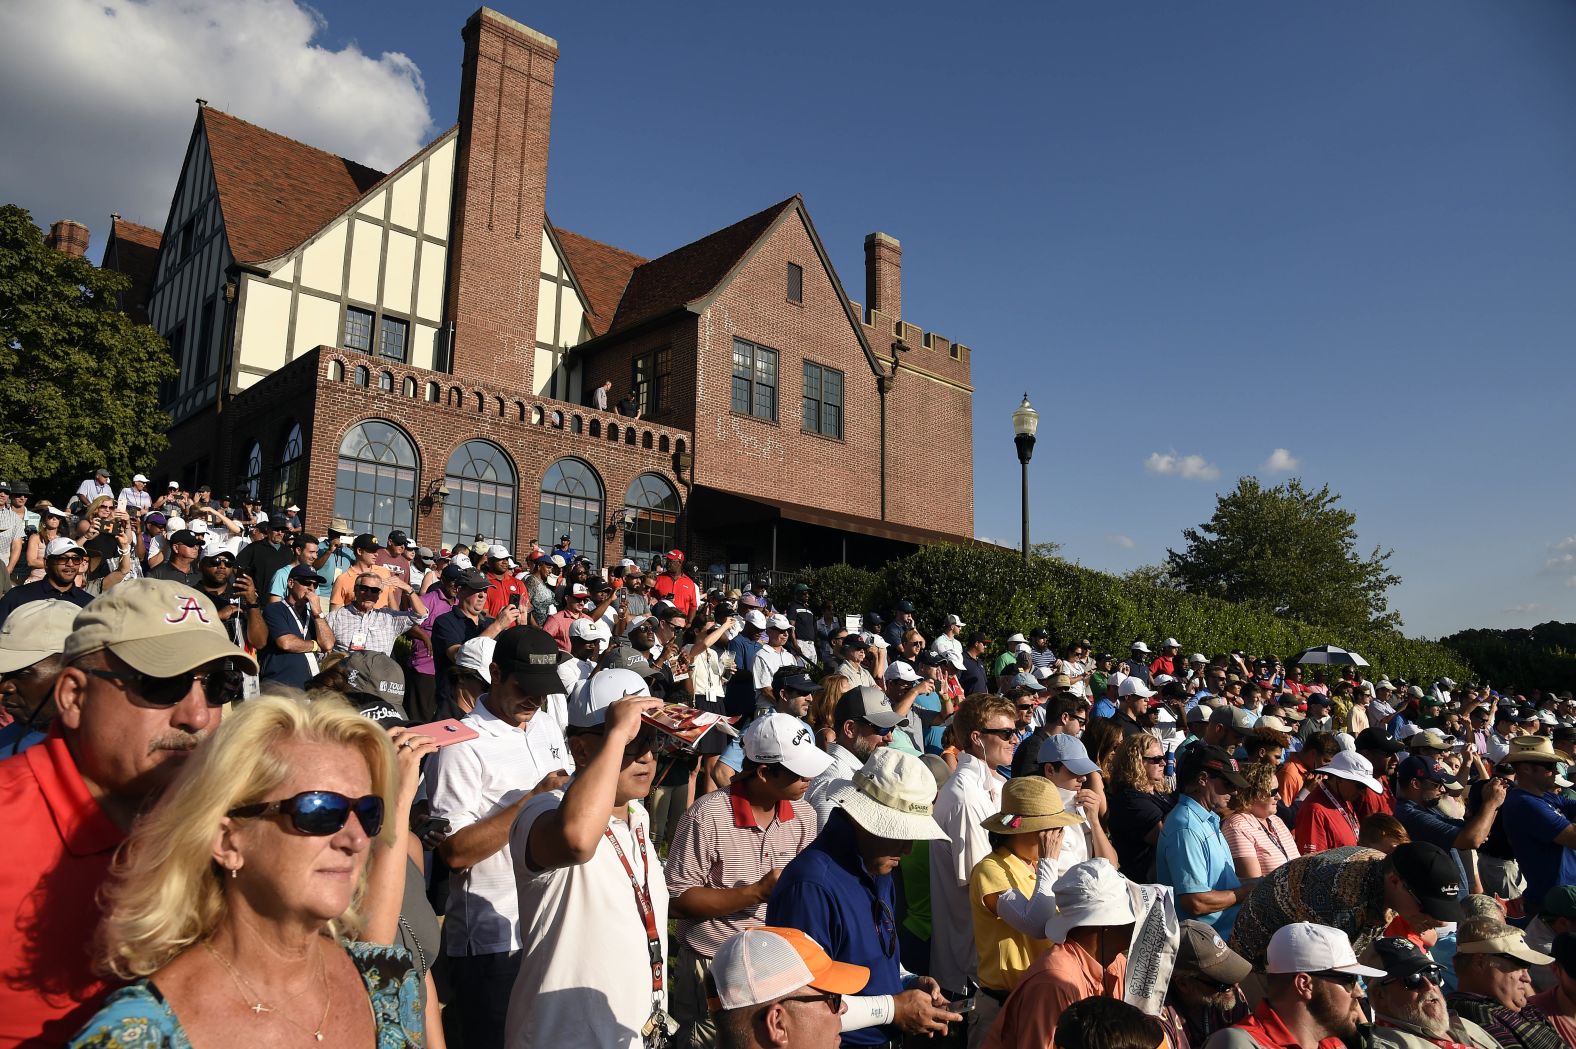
{"type": "Point", "coordinates": [1375, 739]}
{"type": "Point", "coordinates": [185, 537]}
{"type": "Point", "coordinates": [854, 641]}
{"type": "Point", "coordinates": [1431, 875]}
{"type": "Point", "coordinates": [1039, 631]}
{"type": "Point", "coordinates": [905, 606]}
{"type": "Point", "coordinates": [1418, 767]}
{"type": "Point", "coordinates": [366, 541]}
{"type": "Point", "coordinates": [793, 679]}
{"type": "Point", "coordinates": [373, 675]}
{"type": "Point", "coordinates": [601, 586]}
{"type": "Point", "coordinates": [930, 658]}
{"type": "Point", "coordinates": [305, 574]}
{"type": "Point", "coordinates": [1399, 956]}
{"type": "Point", "coordinates": [473, 579]}
{"type": "Point", "coordinates": [451, 573]}
{"type": "Point", "coordinates": [1317, 697]}
{"type": "Point", "coordinates": [1205, 758]}
{"type": "Point", "coordinates": [398, 538]}
{"type": "Point", "coordinates": [530, 656]}
{"type": "Point", "coordinates": [20, 488]}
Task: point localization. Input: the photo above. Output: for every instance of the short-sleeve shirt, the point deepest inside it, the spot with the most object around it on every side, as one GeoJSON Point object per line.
{"type": "Point", "coordinates": [1533, 821]}
{"type": "Point", "coordinates": [469, 782]}
{"type": "Point", "coordinates": [719, 845]}
{"type": "Point", "coordinates": [1004, 952]}
{"type": "Point", "coordinates": [584, 977]}
{"type": "Point", "coordinates": [501, 588]}
{"type": "Point", "coordinates": [59, 846]}
{"type": "Point", "coordinates": [1191, 856]}
{"type": "Point", "coordinates": [1271, 845]}
{"type": "Point", "coordinates": [287, 668]}
{"type": "Point", "coordinates": [1063, 974]}
{"type": "Point", "coordinates": [452, 628]}
{"type": "Point", "coordinates": [438, 603]}
{"type": "Point", "coordinates": [1322, 823]}
{"type": "Point", "coordinates": [344, 589]}
{"type": "Point", "coordinates": [374, 631]}
{"type": "Point", "coordinates": [1134, 813]}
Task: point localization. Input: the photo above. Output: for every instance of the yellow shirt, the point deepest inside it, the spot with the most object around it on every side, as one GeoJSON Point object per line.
{"type": "Point", "coordinates": [1005, 953]}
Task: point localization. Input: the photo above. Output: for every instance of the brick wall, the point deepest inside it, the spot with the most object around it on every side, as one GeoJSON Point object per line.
{"type": "Point", "coordinates": [500, 189]}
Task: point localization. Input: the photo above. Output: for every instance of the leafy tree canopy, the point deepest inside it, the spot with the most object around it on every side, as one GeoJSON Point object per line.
{"type": "Point", "coordinates": [1290, 550]}
{"type": "Point", "coordinates": [79, 380]}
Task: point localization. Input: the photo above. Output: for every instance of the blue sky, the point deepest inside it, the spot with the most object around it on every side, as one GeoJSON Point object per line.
{"type": "Point", "coordinates": [1342, 230]}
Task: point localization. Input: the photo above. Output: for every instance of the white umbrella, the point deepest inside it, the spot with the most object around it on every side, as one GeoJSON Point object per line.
{"type": "Point", "coordinates": [1329, 655]}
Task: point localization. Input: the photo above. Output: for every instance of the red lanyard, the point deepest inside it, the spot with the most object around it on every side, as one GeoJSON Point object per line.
{"type": "Point", "coordinates": [1340, 806]}
{"type": "Point", "coordinates": [648, 913]}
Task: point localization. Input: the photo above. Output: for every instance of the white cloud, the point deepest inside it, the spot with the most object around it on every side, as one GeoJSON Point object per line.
{"type": "Point", "coordinates": [1123, 541]}
{"type": "Point", "coordinates": [1280, 461]}
{"type": "Point", "coordinates": [1192, 467]}
{"type": "Point", "coordinates": [100, 97]}
{"type": "Point", "coordinates": [1514, 610]}
{"type": "Point", "coordinates": [1561, 560]}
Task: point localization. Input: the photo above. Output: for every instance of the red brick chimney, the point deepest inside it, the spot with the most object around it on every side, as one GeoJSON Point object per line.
{"type": "Point", "coordinates": [69, 236]}
{"type": "Point", "coordinates": [500, 195]}
{"type": "Point", "coordinates": [884, 275]}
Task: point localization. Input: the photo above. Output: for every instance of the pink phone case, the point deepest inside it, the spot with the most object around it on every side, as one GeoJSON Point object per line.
{"type": "Point", "coordinates": [446, 732]}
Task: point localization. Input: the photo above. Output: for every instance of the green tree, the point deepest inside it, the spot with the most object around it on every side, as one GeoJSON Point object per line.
{"type": "Point", "coordinates": [79, 379]}
{"type": "Point", "coordinates": [1289, 550]}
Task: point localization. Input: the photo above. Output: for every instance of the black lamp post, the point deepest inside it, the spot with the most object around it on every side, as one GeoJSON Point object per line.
{"type": "Point", "coordinates": [1024, 422]}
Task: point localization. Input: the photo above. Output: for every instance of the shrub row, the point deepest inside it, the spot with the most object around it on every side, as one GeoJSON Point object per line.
{"type": "Point", "coordinates": [996, 591]}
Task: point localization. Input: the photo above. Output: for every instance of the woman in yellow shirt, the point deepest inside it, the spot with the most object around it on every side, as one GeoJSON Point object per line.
{"type": "Point", "coordinates": [1010, 890]}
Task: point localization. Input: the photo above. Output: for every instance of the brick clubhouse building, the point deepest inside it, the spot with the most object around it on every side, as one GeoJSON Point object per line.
{"type": "Point", "coordinates": [415, 349]}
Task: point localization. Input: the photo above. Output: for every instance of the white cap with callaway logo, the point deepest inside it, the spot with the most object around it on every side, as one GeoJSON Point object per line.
{"type": "Point", "coordinates": [782, 739]}
{"type": "Point", "coordinates": [1303, 947]}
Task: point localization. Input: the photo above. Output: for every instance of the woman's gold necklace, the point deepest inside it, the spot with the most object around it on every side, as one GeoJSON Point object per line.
{"type": "Point", "coordinates": [245, 989]}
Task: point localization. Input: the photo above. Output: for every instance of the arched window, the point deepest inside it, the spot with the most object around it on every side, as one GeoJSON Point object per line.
{"type": "Point", "coordinates": [651, 508]}
{"type": "Point", "coordinates": [480, 480]}
{"type": "Point", "coordinates": [375, 486]}
{"type": "Point", "coordinates": [386, 382]}
{"type": "Point", "coordinates": [362, 375]}
{"type": "Point", "coordinates": [410, 387]}
{"type": "Point", "coordinates": [572, 504]}
{"type": "Point", "coordinates": [252, 481]}
{"type": "Point", "coordinates": [336, 371]}
{"type": "Point", "coordinates": [432, 392]}
{"type": "Point", "coordinates": [290, 474]}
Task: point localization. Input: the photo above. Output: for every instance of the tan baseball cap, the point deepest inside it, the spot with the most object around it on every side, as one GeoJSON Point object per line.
{"type": "Point", "coordinates": [35, 631]}
{"type": "Point", "coordinates": [158, 626]}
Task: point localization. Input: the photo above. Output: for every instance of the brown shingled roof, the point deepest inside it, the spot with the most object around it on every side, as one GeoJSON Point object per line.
{"type": "Point", "coordinates": [693, 271]}
{"type": "Point", "coordinates": [275, 192]}
{"type": "Point", "coordinates": [133, 249]}
{"type": "Point", "coordinates": [602, 272]}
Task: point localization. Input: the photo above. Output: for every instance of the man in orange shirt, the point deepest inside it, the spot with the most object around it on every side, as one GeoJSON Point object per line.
{"type": "Point", "coordinates": [1090, 931]}
{"type": "Point", "coordinates": [366, 547]}
{"type": "Point", "coordinates": [147, 669]}
{"type": "Point", "coordinates": [673, 585]}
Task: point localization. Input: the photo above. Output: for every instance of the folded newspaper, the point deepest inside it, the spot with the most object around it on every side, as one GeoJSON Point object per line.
{"type": "Point", "coordinates": [685, 726]}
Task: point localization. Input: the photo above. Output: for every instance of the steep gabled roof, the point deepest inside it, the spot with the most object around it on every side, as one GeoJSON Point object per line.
{"type": "Point", "coordinates": [133, 249]}
{"type": "Point", "coordinates": [601, 270]}
{"type": "Point", "coordinates": [275, 192]}
{"type": "Point", "coordinates": [692, 272]}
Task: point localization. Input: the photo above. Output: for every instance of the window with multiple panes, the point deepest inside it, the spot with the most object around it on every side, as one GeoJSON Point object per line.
{"type": "Point", "coordinates": [358, 329]}
{"type": "Point", "coordinates": [823, 400]}
{"type": "Point", "coordinates": [375, 484]}
{"type": "Point", "coordinates": [651, 381]}
{"type": "Point", "coordinates": [481, 499]}
{"type": "Point", "coordinates": [392, 337]}
{"type": "Point", "coordinates": [795, 282]}
{"type": "Point", "coordinates": [754, 380]}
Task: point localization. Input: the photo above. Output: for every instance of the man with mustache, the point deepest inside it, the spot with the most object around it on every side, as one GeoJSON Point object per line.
{"type": "Point", "coordinates": [1409, 1003]}
{"type": "Point", "coordinates": [147, 668]}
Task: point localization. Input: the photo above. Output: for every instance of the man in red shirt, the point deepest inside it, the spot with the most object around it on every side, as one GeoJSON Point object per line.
{"type": "Point", "coordinates": [147, 669]}
{"type": "Point", "coordinates": [502, 587]}
{"type": "Point", "coordinates": [1312, 998]}
{"type": "Point", "coordinates": [1326, 819]}
{"type": "Point", "coordinates": [673, 585]}
{"type": "Point", "coordinates": [1381, 751]}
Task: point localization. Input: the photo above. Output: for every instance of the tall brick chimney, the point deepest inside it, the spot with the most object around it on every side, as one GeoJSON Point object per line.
{"type": "Point", "coordinates": [884, 275]}
{"type": "Point", "coordinates": [500, 196]}
{"type": "Point", "coordinates": [69, 236]}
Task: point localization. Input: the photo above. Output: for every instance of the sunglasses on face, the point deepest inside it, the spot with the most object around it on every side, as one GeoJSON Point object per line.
{"type": "Point", "coordinates": [319, 813]}
{"type": "Point", "coordinates": [1160, 760]}
{"type": "Point", "coordinates": [218, 686]}
{"type": "Point", "coordinates": [833, 1000]}
{"type": "Point", "coordinates": [876, 729]}
{"type": "Point", "coordinates": [1415, 981]}
{"type": "Point", "coordinates": [1212, 985]}
{"type": "Point", "coordinates": [69, 559]}
{"type": "Point", "coordinates": [1006, 735]}
{"type": "Point", "coordinates": [1347, 980]}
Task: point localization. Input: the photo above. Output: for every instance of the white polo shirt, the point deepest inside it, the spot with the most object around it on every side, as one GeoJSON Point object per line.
{"type": "Point", "coordinates": [971, 793]}
{"type": "Point", "coordinates": [768, 661]}
{"type": "Point", "coordinates": [584, 975]}
{"type": "Point", "coordinates": [473, 780]}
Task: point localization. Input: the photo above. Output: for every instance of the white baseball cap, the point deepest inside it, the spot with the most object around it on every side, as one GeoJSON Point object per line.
{"type": "Point", "coordinates": [782, 739]}
{"type": "Point", "coordinates": [754, 618]}
{"type": "Point", "coordinates": [764, 964]}
{"type": "Point", "coordinates": [498, 552]}
{"type": "Point", "coordinates": [588, 708]}
{"type": "Point", "coordinates": [1134, 686]}
{"type": "Point", "coordinates": [1353, 766]}
{"type": "Point", "coordinates": [63, 546]}
{"type": "Point", "coordinates": [777, 622]}
{"type": "Point", "coordinates": [175, 484]}
{"type": "Point", "coordinates": [1139, 646]}
{"type": "Point", "coordinates": [139, 477]}
{"type": "Point", "coordinates": [1303, 947]}
{"type": "Point", "coordinates": [953, 620]}
{"type": "Point", "coordinates": [476, 655]}
{"type": "Point", "coordinates": [590, 630]}
{"type": "Point", "coordinates": [899, 671]}
{"type": "Point", "coordinates": [1170, 642]}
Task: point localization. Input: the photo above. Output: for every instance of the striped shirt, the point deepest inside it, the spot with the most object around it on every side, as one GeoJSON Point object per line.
{"type": "Point", "coordinates": [720, 846]}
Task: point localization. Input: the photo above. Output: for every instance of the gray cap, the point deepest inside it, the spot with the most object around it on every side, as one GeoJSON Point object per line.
{"type": "Point", "coordinates": [869, 704]}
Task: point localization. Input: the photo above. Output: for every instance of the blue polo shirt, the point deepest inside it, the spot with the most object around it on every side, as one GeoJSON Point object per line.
{"type": "Point", "coordinates": [826, 893]}
{"type": "Point", "coordinates": [1191, 855]}
{"type": "Point", "coordinates": [1532, 822]}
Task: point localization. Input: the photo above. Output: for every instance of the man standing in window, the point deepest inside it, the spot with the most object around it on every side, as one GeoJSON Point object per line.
{"type": "Point", "coordinates": [630, 406]}
{"type": "Point", "coordinates": [366, 549]}
{"type": "Point", "coordinates": [396, 557]}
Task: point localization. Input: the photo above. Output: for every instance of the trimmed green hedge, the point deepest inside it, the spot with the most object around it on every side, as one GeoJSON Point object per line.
{"type": "Point", "coordinates": [996, 591]}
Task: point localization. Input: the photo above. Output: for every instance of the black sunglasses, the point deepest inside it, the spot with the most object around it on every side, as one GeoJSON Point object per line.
{"type": "Point", "coordinates": [319, 813]}
{"type": "Point", "coordinates": [1344, 979]}
{"type": "Point", "coordinates": [1213, 985]}
{"type": "Point", "coordinates": [218, 686]}
{"type": "Point", "coordinates": [877, 729]}
{"type": "Point", "coordinates": [833, 1000]}
{"type": "Point", "coordinates": [1004, 734]}
{"type": "Point", "coordinates": [1161, 760]}
{"type": "Point", "coordinates": [1414, 981]}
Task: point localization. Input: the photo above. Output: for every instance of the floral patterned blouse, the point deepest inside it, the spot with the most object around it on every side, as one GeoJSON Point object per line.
{"type": "Point", "coordinates": [137, 1016]}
